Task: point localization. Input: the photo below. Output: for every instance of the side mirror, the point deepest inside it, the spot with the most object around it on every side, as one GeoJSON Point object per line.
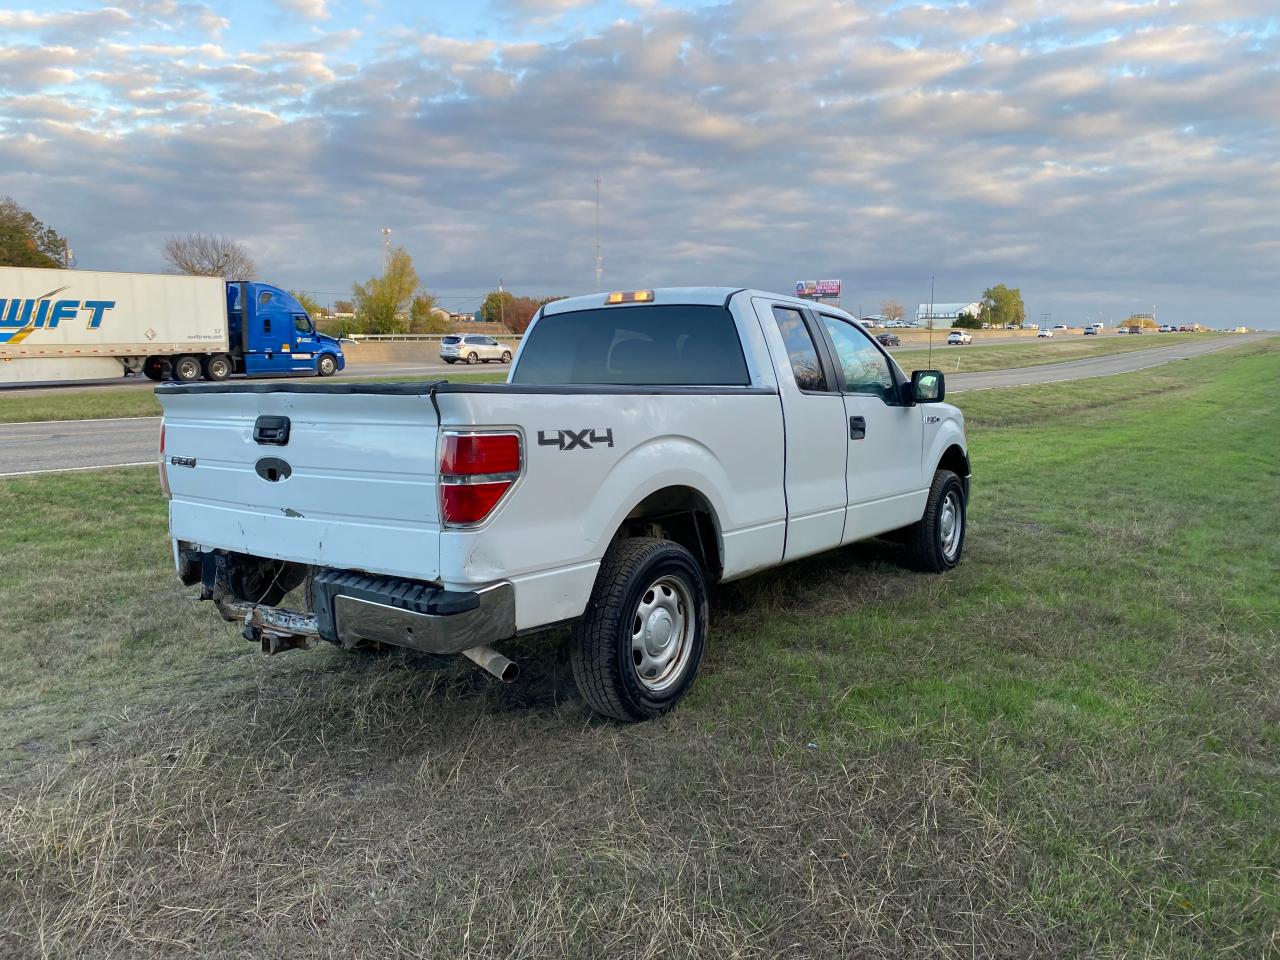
{"type": "Point", "coordinates": [928, 386]}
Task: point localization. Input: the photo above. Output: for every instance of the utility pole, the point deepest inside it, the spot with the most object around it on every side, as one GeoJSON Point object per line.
{"type": "Point", "coordinates": [386, 247]}
{"type": "Point", "coordinates": [502, 306]}
{"type": "Point", "coordinates": [930, 360]}
{"type": "Point", "coordinates": [599, 258]}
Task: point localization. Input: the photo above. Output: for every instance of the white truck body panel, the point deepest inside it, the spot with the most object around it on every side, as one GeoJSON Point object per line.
{"type": "Point", "coordinates": [150, 314]}
{"type": "Point", "coordinates": [777, 468]}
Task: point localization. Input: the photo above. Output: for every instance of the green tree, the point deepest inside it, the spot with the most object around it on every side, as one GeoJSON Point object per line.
{"type": "Point", "coordinates": [25, 241]}
{"type": "Point", "coordinates": [426, 317]}
{"type": "Point", "coordinates": [381, 302]}
{"type": "Point", "coordinates": [310, 304]}
{"type": "Point", "coordinates": [972, 320]}
{"type": "Point", "coordinates": [1002, 305]}
{"type": "Point", "coordinates": [495, 306]}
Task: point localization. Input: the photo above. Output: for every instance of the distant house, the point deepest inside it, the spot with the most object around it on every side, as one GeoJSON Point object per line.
{"type": "Point", "coordinates": [944, 314]}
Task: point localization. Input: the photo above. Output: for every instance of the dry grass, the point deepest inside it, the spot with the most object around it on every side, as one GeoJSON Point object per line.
{"type": "Point", "coordinates": [1068, 747]}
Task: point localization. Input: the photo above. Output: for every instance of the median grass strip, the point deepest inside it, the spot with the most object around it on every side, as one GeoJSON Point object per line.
{"type": "Point", "coordinates": [1032, 353]}
{"type": "Point", "coordinates": [1067, 747]}
{"type": "Point", "coordinates": [99, 403]}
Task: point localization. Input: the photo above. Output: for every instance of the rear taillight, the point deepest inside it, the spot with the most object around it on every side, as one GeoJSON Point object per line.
{"type": "Point", "coordinates": [476, 471]}
{"type": "Point", "coordinates": [164, 474]}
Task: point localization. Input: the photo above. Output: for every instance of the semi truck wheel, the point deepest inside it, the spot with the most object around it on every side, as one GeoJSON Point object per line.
{"type": "Point", "coordinates": [636, 651]}
{"type": "Point", "coordinates": [217, 367]}
{"type": "Point", "coordinates": [934, 542]}
{"type": "Point", "coordinates": [186, 369]}
{"type": "Point", "coordinates": [153, 368]}
{"type": "Point", "coordinates": [326, 366]}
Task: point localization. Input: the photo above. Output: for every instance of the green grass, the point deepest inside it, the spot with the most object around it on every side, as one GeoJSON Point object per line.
{"type": "Point", "coordinates": [97, 403]}
{"type": "Point", "coordinates": [1069, 746]}
{"type": "Point", "coordinates": [1031, 353]}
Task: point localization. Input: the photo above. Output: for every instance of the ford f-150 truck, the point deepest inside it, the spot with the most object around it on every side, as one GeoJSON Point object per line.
{"type": "Point", "coordinates": [645, 445]}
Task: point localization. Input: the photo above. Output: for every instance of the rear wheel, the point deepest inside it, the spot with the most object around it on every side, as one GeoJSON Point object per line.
{"type": "Point", "coordinates": [217, 367]}
{"type": "Point", "coordinates": [472, 357]}
{"type": "Point", "coordinates": [326, 366]}
{"type": "Point", "coordinates": [935, 541]}
{"type": "Point", "coordinates": [636, 651]}
{"type": "Point", "coordinates": [187, 369]}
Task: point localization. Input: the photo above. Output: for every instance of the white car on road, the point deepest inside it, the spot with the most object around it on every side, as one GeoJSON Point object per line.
{"type": "Point", "coordinates": [1045, 332]}
{"type": "Point", "coordinates": [473, 348]}
{"type": "Point", "coordinates": [606, 485]}
{"type": "Point", "coordinates": [959, 336]}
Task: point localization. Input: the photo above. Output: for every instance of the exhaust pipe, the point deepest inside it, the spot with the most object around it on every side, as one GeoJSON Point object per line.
{"type": "Point", "coordinates": [492, 662]}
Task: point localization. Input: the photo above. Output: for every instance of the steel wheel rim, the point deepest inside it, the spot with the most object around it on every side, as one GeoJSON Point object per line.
{"type": "Point", "coordinates": [662, 634]}
{"type": "Point", "coordinates": [188, 370]}
{"type": "Point", "coordinates": [219, 368]}
{"type": "Point", "coordinates": [950, 524]}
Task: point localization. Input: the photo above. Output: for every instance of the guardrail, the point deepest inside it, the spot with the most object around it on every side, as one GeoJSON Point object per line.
{"type": "Point", "coordinates": [423, 337]}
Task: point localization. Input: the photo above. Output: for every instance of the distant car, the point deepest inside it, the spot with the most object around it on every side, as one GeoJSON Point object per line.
{"type": "Point", "coordinates": [889, 339]}
{"type": "Point", "coordinates": [1060, 326]}
{"type": "Point", "coordinates": [1045, 332]}
{"type": "Point", "coordinates": [959, 336]}
{"type": "Point", "coordinates": [1184, 329]}
{"type": "Point", "coordinates": [1135, 330]}
{"type": "Point", "coordinates": [1165, 328]}
{"type": "Point", "coordinates": [473, 348]}
{"type": "Point", "coordinates": [1090, 331]}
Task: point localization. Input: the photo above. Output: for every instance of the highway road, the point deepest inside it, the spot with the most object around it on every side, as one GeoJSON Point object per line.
{"type": "Point", "coordinates": [33, 448]}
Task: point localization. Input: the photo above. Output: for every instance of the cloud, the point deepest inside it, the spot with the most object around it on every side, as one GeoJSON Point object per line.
{"type": "Point", "coordinates": [308, 9]}
{"type": "Point", "coordinates": [1093, 153]}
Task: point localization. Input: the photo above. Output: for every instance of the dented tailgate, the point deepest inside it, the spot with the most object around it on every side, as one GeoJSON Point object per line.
{"type": "Point", "coordinates": [352, 484]}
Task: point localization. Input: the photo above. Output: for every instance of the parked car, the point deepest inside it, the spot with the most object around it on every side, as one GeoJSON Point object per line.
{"type": "Point", "coordinates": [473, 348]}
{"type": "Point", "coordinates": [1045, 332]}
{"type": "Point", "coordinates": [1090, 331]}
{"type": "Point", "coordinates": [889, 339]}
{"type": "Point", "coordinates": [605, 485]}
{"type": "Point", "coordinates": [959, 337]}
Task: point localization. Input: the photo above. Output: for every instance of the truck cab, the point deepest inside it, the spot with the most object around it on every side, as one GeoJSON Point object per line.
{"type": "Point", "coordinates": [279, 336]}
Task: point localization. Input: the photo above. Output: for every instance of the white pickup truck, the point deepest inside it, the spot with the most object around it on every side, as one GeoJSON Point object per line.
{"type": "Point", "coordinates": [646, 444]}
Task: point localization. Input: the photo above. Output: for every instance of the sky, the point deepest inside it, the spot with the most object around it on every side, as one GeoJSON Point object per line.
{"type": "Point", "coordinates": [1105, 156]}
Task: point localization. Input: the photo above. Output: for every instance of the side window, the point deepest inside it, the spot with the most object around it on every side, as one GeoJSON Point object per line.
{"type": "Point", "coordinates": [800, 348]}
{"type": "Point", "coordinates": [264, 298]}
{"type": "Point", "coordinates": [865, 368]}
{"type": "Point", "coordinates": [301, 323]}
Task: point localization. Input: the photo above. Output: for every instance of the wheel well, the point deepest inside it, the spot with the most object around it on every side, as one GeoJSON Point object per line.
{"type": "Point", "coordinates": [681, 515]}
{"type": "Point", "coordinates": [955, 460]}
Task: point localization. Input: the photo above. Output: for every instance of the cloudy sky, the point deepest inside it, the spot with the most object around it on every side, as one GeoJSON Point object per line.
{"type": "Point", "coordinates": [1104, 155]}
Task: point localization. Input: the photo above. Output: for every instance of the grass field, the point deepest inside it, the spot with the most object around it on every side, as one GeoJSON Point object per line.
{"type": "Point", "coordinates": [1031, 353]}
{"type": "Point", "coordinates": [100, 402]}
{"type": "Point", "coordinates": [97, 403]}
{"type": "Point", "coordinates": [1068, 747]}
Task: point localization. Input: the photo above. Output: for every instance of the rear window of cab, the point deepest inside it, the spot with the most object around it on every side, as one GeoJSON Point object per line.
{"type": "Point", "coordinates": [649, 345]}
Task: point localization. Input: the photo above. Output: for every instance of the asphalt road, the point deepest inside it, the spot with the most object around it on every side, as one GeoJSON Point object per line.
{"type": "Point", "coordinates": [27, 448]}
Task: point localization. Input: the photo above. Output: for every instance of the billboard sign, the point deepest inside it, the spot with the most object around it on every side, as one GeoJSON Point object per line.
{"type": "Point", "coordinates": [816, 289]}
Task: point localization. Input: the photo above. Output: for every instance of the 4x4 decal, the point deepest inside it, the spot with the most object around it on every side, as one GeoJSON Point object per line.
{"type": "Point", "coordinates": [575, 439]}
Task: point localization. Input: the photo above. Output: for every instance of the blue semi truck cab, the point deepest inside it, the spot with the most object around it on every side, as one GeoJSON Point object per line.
{"type": "Point", "coordinates": [279, 336]}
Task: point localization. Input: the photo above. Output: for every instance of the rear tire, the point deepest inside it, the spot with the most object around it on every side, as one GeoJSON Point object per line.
{"type": "Point", "coordinates": [935, 541]}
{"type": "Point", "coordinates": [472, 358]}
{"type": "Point", "coordinates": [217, 367]}
{"type": "Point", "coordinates": [187, 369]}
{"type": "Point", "coordinates": [326, 366]}
{"type": "Point", "coordinates": [636, 652]}
{"type": "Point", "coordinates": [153, 368]}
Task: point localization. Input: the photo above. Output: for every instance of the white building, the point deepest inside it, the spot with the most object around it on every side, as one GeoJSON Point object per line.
{"type": "Point", "coordinates": [944, 314]}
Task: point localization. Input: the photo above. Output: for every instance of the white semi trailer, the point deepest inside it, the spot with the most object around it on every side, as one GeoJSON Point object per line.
{"type": "Point", "coordinates": [85, 324]}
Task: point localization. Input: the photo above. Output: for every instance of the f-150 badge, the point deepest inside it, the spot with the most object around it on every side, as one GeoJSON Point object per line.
{"type": "Point", "coordinates": [575, 439]}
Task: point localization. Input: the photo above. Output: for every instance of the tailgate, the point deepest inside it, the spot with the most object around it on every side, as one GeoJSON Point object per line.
{"type": "Point", "coordinates": [354, 486]}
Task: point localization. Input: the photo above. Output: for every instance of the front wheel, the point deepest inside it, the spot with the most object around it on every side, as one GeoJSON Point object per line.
{"type": "Point", "coordinates": [636, 651]}
{"type": "Point", "coordinates": [506, 356]}
{"type": "Point", "coordinates": [187, 369]}
{"type": "Point", "coordinates": [935, 541]}
{"type": "Point", "coordinates": [326, 366]}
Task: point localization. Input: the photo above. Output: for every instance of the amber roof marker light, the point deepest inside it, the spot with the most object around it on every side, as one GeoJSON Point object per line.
{"type": "Point", "coordinates": [630, 296]}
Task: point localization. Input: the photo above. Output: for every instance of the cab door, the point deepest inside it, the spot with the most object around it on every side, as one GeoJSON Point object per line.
{"type": "Point", "coordinates": [271, 336]}
{"type": "Point", "coordinates": [305, 342]}
{"type": "Point", "coordinates": [885, 434]}
{"type": "Point", "coordinates": [814, 423]}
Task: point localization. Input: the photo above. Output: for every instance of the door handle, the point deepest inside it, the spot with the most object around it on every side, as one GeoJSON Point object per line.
{"type": "Point", "coordinates": [857, 428]}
